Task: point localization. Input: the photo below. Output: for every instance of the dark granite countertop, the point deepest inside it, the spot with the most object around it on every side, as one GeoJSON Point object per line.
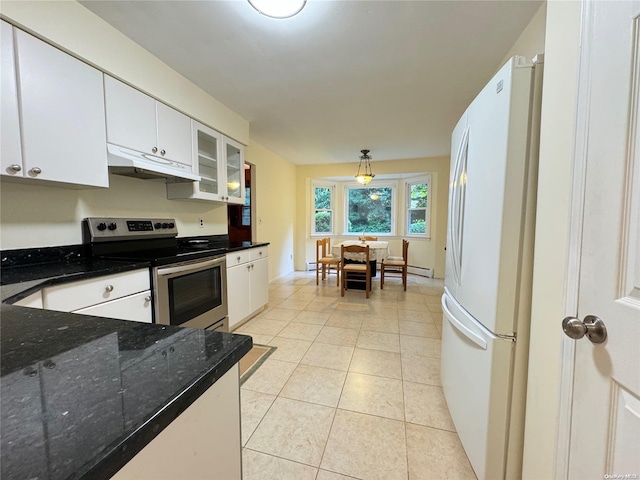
{"type": "Point", "coordinates": [82, 395]}
{"type": "Point", "coordinates": [20, 281]}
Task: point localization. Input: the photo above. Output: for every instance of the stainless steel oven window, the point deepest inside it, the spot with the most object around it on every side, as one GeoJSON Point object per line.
{"type": "Point", "coordinates": [191, 294]}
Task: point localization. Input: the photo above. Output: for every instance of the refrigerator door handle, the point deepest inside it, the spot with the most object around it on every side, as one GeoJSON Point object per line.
{"type": "Point", "coordinates": [478, 340]}
{"type": "Point", "coordinates": [456, 210]}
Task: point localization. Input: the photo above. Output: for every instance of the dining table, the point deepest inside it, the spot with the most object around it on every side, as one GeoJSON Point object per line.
{"type": "Point", "coordinates": [378, 250]}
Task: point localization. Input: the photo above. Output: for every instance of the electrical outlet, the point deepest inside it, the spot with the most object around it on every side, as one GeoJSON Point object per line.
{"type": "Point", "coordinates": [201, 223]}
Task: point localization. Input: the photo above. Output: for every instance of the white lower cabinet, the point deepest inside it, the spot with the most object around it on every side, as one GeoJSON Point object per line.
{"type": "Point", "coordinates": [203, 442]}
{"type": "Point", "coordinates": [32, 301]}
{"type": "Point", "coordinates": [133, 307]}
{"type": "Point", "coordinates": [247, 284]}
{"type": "Point", "coordinates": [126, 296]}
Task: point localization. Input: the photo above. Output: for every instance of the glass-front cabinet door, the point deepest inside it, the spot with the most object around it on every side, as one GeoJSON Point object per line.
{"type": "Point", "coordinates": [220, 163]}
{"type": "Point", "coordinates": [235, 171]}
{"type": "Point", "coordinates": [208, 152]}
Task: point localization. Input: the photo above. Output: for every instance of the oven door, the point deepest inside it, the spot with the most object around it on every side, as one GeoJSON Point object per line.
{"type": "Point", "coordinates": [191, 294]}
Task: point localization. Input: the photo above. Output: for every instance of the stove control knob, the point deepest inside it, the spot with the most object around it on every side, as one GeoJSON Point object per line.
{"type": "Point", "coordinates": [157, 225]}
{"type": "Point", "coordinates": [165, 225]}
{"type": "Point", "coordinates": [101, 226]}
{"type": "Point", "coordinates": [171, 225]}
{"type": "Point", "coordinates": [112, 226]}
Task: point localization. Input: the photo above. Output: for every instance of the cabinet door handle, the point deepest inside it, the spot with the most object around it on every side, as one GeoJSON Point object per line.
{"type": "Point", "coordinates": [36, 170]}
{"type": "Point", "coordinates": [15, 167]}
{"type": "Point", "coordinates": [147, 298]}
{"type": "Point", "coordinates": [154, 149]}
{"type": "Point", "coordinates": [238, 258]}
{"type": "Point", "coordinates": [108, 288]}
{"type": "Point", "coordinates": [162, 152]}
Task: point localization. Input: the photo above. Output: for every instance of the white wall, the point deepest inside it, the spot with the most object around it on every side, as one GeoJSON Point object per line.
{"type": "Point", "coordinates": [36, 216]}
{"type": "Point", "coordinates": [275, 206]}
{"type": "Point", "coordinates": [552, 228]}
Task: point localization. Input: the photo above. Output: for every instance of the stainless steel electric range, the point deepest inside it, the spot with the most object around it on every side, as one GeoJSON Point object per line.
{"type": "Point", "coordinates": [188, 276]}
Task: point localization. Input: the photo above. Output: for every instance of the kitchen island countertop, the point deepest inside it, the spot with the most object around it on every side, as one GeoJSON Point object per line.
{"type": "Point", "coordinates": [82, 395]}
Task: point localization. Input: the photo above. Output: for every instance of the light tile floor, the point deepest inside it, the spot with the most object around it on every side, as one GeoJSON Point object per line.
{"type": "Point", "coordinates": [353, 389]}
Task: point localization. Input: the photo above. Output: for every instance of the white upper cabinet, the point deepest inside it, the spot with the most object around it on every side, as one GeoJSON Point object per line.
{"type": "Point", "coordinates": [61, 113]}
{"type": "Point", "coordinates": [222, 174]}
{"type": "Point", "coordinates": [234, 156]}
{"type": "Point", "coordinates": [10, 147]}
{"type": "Point", "coordinates": [174, 134]}
{"type": "Point", "coordinates": [139, 122]}
{"type": "Point", "coordinates": [131, 117]}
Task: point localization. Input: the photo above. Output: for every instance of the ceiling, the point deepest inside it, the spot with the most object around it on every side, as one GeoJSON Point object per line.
{"type": "Point", "coordinates": [390, 76]}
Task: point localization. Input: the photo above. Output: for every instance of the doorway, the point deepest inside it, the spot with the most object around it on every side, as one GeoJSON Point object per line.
{"type": "Point", "coordinates": [241, 218]}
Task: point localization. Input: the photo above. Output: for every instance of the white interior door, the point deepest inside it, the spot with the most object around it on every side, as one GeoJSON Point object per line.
{"type": "Point", "coordinates": [605, 422]}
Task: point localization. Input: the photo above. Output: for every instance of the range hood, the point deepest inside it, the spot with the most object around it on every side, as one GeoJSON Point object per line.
{"type": "Point", "coordinates": [131, 163]}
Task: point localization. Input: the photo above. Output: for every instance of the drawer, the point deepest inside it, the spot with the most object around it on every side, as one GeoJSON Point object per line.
{"type": "Point", "coordinates": [84, 293]}
{"type": "Point", "coordinates": [258, 253]}
{"type": "Point", "coordinates": [133, 307]}
{"type": "Point", "coordinates": [237, 258]}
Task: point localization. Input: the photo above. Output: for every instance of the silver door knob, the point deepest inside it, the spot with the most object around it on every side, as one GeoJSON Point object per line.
{"type": "Point", "coordinates": [108, 288]}
{"type": "Point", "coordinates": [147, 298]}
{"type": "Point", "coordinates": [154, 149]}
{"type": "Point", "coordinates": [36, 170]}
{"type": "Point", "coordinates": [15, 167]}
{"type": "Point", "coordinates": [592, 326]}
{"type": "Point", "coordinates": [162, 152]}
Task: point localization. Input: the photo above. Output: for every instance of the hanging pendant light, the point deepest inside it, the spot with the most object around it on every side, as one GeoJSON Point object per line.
{"type": "Point", "coordinates": [366, 176]}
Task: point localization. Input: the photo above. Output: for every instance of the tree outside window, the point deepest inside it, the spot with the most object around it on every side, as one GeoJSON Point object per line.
{"type": "Point", "coordinates": [323, 209]}
{"type": "Point", "coordinates": [418, 206]}
{"type": "Point", "coordinates": [369, 209]}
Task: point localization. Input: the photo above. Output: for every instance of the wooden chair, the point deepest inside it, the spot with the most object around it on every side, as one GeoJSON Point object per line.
{"type": "Point", "coordinates": [395, 266]}
{"type": "Point", "coordinates": [324, 262]}
{"type": "Point", "coordinates": [352, 272]}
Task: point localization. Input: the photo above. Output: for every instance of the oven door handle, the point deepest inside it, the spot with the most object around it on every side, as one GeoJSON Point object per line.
{"type": "Point", "coordinates": [190, 267]}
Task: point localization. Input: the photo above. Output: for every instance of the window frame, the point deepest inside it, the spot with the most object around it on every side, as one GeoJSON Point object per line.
{"type": "Point", "coordinates": [332, 187]}
{"type": "Point", "coordinates": [426, 179]}
{"type": "Point", "coordinates": [378, 184]}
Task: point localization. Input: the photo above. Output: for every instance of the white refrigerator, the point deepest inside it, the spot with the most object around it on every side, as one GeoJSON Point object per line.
{"type": "Point", "coordinates": [487, 299]}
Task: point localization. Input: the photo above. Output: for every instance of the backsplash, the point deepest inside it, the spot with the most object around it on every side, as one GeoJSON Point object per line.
{"type": "Point", "coordinates": [35, 215]}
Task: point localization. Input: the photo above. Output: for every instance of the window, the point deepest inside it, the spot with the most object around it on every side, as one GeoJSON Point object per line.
{"type": "Point", "coordinates": [370, 209]}
{"type": "Point", "coordinates": [419, 206]}
{"type": "Point", "coordinates": [322, 200]}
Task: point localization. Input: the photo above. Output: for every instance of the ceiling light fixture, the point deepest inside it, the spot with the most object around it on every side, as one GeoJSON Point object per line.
{"type": "Point", "coordinates": [278, 8]}
{"type": "Point", "coordinates": [367, 175]}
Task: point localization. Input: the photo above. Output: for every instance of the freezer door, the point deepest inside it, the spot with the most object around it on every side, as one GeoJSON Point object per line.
{"type": "Point", "coordinates": [476, 368]}
{"type": "Point", "coordinates": [489, 213]}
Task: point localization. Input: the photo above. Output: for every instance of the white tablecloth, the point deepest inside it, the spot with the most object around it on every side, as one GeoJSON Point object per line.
{"type": "Point", "coordinates": [377, 250]}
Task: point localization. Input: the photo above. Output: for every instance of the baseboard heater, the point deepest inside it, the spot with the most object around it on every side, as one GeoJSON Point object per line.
{"type": "Point", "coordinates": [311, 266]}
{"type": "Point", "coordinates": [423, 272]}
